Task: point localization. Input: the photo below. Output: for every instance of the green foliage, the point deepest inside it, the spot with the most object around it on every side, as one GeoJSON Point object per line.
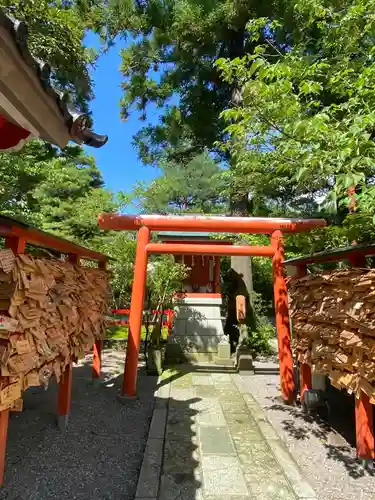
{"type": "Point", "coordinates": [262, 274]}
{"type": "Point", "coordinates": [192, 186]}
{"type": "Point", "coordinates": [70, 194]}
{"type": "Point", "coordinates": [306, 125]}
{"type": "Point", "coordinates": [259, 305]}
{"type": "Point", "coordinates": [293, 88]}
{"type": "Point", "coordinates": [171, 55]}
{"type": "Point", "coordinates": [119, 246]}
{"type": "Point", "coordinates": [122, 332]}
{"type": "Point", "coordinates": [259, 338]}
{"type": "Point", "coordinates": [261, 267]}
{"type": "Point", "coordinates": [164, 279]}
{"type": "Point", "coordinates": [20, 174]}
{"type": "Point", "coordinates": [279, 93]}
{"type": "Point", "coordinates": [60, 191]}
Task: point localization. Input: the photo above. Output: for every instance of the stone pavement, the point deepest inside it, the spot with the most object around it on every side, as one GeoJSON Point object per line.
{"type": "Point", "coordinates": [210, 440]}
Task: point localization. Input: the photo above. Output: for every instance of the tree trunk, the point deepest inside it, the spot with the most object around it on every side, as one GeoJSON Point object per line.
{"type": "Point", "coordinates": [242, 265]}
{"type": "Point", "coordinates": [239, 202]}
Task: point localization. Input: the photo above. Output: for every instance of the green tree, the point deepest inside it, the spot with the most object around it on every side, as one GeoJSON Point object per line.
{"type": "Point", "coordinates": [164, 279]}
{"type": "Point", "coordinates": [20, 175]}
{"type": "Point", "coordinates": [192, 186]}
{"type": "Point", "coordinates": [307, 118]}
{"type": "Point", "coordinates": [61, 191]}
{"type": "Point", "coordinates": [57, 190]}
{"type": "Point", "coordinates": [120, 247]}
{"type": "Point", "coordinates": [69, 194]}
{"type": "Point", "coordinates": [171, 58]}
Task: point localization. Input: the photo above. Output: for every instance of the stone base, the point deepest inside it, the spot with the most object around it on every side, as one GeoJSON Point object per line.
{"type": "Point", "coordinates": [62, 422]}
{"type": "Point", "coordinates": [223, 351]}
{"type": "Point", "coordinates": [244, 359]}
{"type": "Point", "coordinates": [198, 331]}
{"type": "Point", "coordinates": [125, 399]}
{"type": "Point", "coordinates": [245, 362]}
{"type": "Point", "coordinates": [227, 363]}
{"type": "Point", "coordinates": [319, 382]}
{"type": "Point", "coordinates": [176, 354]}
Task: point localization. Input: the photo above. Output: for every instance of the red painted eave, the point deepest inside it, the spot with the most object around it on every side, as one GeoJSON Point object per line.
{"type": "Point", "coordinates": [12, 137]}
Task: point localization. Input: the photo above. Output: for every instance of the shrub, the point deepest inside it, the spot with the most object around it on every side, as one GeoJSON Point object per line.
{"type": "Point", "coordinates": [259, 340]}
{"type": "Point", "coordinates": [122, 332]}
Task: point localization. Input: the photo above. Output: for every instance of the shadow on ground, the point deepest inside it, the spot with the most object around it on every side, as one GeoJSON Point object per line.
{"type": "Point", "coordinates": [335, 429]}
{"type": "Point", "coordinates": [180, 477]}
{"type": "Point", "coordinates": [184, 368]}
{"type": "Point", "coordinates": [98, 457]}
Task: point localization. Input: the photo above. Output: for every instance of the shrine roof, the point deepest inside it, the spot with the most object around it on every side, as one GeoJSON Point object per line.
{"type": "Point", "coordinates": [335, 254]}
{"type": "Point", "coordinates": [77, 123]}
{"type": "Point", "coordinates": [185, 234]}
{"type": "Point", "coordinates": [189, 235]}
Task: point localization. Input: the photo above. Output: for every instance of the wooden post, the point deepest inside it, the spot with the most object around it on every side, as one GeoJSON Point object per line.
{"type": "Point", "coordinates": [217, 275]}
{"type": "Point", "coordinates": [282, 319]}
{"type": "Point", "coordinates": [170, 321]}
{"type": "Point", "coordinates": [305, 379]}
{"type": "Point", "coordinates": [98, 346]}
{"type": "Point", "coordinates": [301, 271]}
{"type": "Point", "coordinates": [97, 359]}
{"type": "Point", "coordinates": [64, 397]}
{"type": "Point", "coordinates": [4, 419]}
{"type": "Point", "coordinates": [305, 375]}
{"type": "Point", "coordinates": [65, 386]}
{"type": "Point", "coordinates": [129, 387]}
{"type": "Point", "coordinates": [73, 259]}
{"type": "Point", "coordinates": [17, 245]}
{"type": "Point", "coordinates": [364, 425]}
{"type": "Point", "coordinates": [364, 419]}
{"type": "Point", "coordinates": [358, 260]}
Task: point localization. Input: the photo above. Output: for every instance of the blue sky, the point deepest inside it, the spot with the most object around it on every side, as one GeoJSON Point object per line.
{"type": "Point", "coordinates": [117, 160]}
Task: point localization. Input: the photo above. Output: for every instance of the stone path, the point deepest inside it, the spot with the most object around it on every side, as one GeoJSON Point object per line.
{"type": "Point", "coordinates": [210, 440]}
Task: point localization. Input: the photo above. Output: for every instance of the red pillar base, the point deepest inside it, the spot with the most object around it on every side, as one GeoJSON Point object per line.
{"type": "Point", "coordinates": [4, 419]}
{"type": "Point", "coordinates": [97, 359]}
{"type": "Point", "coordinates": [364, 428]}
{"type": "Point", "coordinates": [64, 398]}
{"type": "Point", "coordinates": [305, 378]}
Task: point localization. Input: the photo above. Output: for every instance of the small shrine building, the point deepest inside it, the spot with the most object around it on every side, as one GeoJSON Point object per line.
{"type": "Point", "coordinates": [198, 325]}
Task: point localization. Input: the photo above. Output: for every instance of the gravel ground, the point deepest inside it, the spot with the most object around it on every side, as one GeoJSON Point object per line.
{"type": "Point", "coordinates": [98, 457]}
{"type": "Point", "coordinates": [325, 455]}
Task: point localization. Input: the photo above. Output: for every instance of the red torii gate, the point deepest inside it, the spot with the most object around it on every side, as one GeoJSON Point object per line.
{"type": "Point", "coordinates": [147, 223]}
